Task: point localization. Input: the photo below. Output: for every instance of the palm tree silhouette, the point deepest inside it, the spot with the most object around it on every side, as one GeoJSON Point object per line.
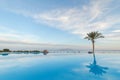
{"type": "Point", "coordinates": [92, 36]}
{"type": "Point", "coordinates": [95, 68]}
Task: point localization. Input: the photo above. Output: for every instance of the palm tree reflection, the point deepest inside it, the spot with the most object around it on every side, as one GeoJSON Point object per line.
{"type": "Point", "coordinates": [96, 69]}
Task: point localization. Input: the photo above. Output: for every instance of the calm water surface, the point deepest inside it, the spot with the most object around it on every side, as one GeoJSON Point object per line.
{"type": "Point", "coordinates": [60, 67]}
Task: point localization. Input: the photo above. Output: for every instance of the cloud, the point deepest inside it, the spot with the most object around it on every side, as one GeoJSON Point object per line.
{"type": "Point", "coordinates": [95, 15]}
{"type": "Point", "coordinates": [117, 31]}
{"type": "Point", "coordinates": [91, 17]}
{"type": "Point", "coordinates": [101, 15]}
{"type": "Point", "coordinates": [13, 39]}
{"type": "Point", "coordinates": [10, 38]}
{"type": "Point", "coordinates": [11, 35]}
{"type": "Point", "coordinates": [113, 37]}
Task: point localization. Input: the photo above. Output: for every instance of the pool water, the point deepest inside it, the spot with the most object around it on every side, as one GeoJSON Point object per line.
{"type": "Point", "coordinates": [60, 67]}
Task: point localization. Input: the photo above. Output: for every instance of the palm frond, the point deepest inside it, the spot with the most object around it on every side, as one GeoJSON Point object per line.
{"type": "Point", "coordinates": [94, 35]}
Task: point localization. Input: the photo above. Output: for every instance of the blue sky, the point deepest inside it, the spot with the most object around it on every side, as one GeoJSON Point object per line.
{"type": "Point", "coordinates": [35, 24]}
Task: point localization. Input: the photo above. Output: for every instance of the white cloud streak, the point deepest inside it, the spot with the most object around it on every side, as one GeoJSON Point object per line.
{"type": "Point", "coordinates": [91, 17]}
{"type": "Point", "coordinates": [98, 15]}
{"type": "Point", "coordinates": [117, 31]}
{"type": "Point", "coordinates": [12, 35]}
{"type": "Point", "coordinates": [13, 39]}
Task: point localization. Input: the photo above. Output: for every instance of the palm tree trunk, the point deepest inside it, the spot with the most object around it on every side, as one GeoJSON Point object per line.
{"type": "Point", "coordinates": [93, 45]}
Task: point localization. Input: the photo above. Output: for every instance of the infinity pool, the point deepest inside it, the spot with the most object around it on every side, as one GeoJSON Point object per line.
{"type": "Point", "coordinates": [60, 67]}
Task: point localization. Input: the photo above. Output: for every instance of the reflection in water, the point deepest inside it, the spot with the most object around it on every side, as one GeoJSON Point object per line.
{"type": "Point", "coordinates": [95, 68]}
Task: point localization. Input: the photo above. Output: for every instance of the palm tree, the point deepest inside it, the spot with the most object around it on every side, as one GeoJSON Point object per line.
{"type": "Point", "coordinates": [92, 36]}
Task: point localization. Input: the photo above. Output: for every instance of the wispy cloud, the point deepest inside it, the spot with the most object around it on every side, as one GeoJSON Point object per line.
{"type": "Point", "coordinates": [11, 38]}
{"type": "Point", "coordinates": [117, 31]}
{"type": "Point", "coordinates": [11, 35]}
{"type": "Point", "coordinates": [101, 15]}
{"type": "Point", "coordinates": [94, 16]}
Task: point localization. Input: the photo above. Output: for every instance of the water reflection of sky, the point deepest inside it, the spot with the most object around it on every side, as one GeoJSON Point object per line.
{"type": "Point", "coordinates": [62, 67]}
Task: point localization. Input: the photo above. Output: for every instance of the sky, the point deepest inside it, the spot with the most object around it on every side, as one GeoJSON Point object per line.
{"type": "Point", "coordinates": [40, 24]}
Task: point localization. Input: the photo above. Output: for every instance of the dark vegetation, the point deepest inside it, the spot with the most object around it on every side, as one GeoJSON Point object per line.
{"type": "Point", "coordinates": [45, 52]}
